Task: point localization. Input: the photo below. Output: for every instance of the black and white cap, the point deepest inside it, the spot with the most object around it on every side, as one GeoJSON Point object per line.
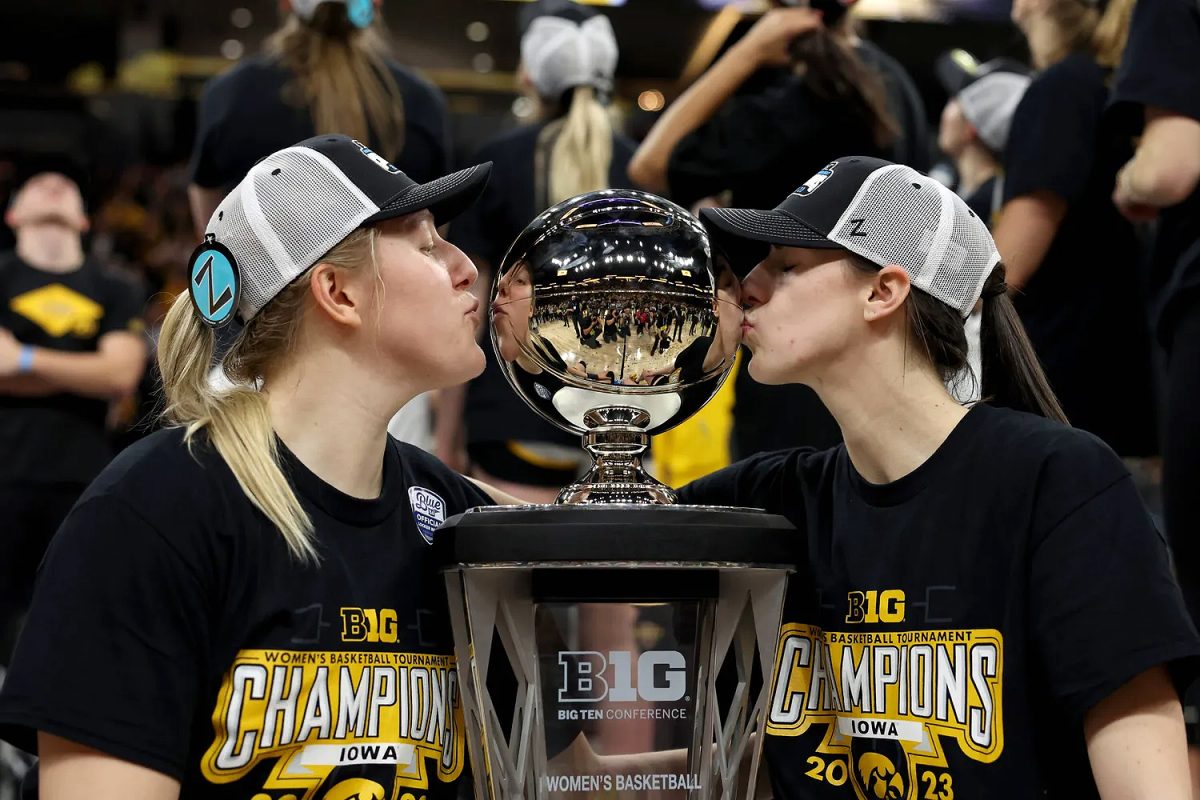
{"type": "Point", "coordinates": [988, 93]}
{"type": "Point", "coordinates": [888, 214]}
{"type": "Point", "coordinates": [296, 204]}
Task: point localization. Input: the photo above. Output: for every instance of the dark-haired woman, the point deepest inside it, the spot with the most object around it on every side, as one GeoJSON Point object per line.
{"type": "Point", "coordinates": [729, 133]}
{"type": "Point", "coordinates": [981, 606]}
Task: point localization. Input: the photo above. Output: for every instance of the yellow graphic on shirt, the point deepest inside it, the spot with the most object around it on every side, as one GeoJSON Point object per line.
{"type": "Point", "coordinates": [60, 311]}
{"type": "Point", "coordinates": [888, 703]}
{"type": "Point", "coordinates": [313, 712]}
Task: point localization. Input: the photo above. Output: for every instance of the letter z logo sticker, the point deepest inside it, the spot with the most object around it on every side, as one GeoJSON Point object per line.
{"type": "Point", "coordinates": [214, 283]}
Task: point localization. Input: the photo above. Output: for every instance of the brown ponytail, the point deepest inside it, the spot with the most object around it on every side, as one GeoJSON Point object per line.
{"type": "Point", "coordinates": [342, 76]}
{"type": "Point", "coordinates": [1012, 375]}
{"type": "Point", "coordinates": [835, 73]}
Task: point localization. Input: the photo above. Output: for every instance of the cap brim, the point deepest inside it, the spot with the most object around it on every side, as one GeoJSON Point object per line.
{"type": "Point", "coordinates": [956, 70]}
{"type": "Point", "coordinates": [445, 198]}
{"type": "Point", "coordinates": [770, 227]}
{"type": "Point", "coordinates": [735, 229]}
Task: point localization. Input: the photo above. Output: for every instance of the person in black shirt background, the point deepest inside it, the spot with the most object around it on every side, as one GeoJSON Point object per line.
{"type": "Point", "coordinates": [1159, 81]}
{"type": "Point", "coordinates": [822, 98]}
{"type": "Point", "coordinates": [1072, 259]}
{"type": "Point", "coordinates": [568, 57]}
{"type": "Point", "coordinates": [982, 607]}
{"type": "Point", "coordinates": [272, 546]}
{"type": "Point", "coordinates": [325, 70]}
{"type": "Point", "coordinates": [975, 124]}
{"type": "Point", "coordinates": [71, 342]}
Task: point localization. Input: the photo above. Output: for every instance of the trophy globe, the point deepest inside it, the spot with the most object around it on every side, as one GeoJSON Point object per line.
{"type": "Point", "coordinates": [614, 317]}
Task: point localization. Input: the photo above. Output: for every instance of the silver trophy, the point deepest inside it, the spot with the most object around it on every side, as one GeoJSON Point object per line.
{"type": "Point", "coordinates": [613, 318]}
{"type": "Point", "coordinates": [590, 634]}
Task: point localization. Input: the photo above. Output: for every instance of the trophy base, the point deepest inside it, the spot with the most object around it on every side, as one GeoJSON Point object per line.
{"type": "Point", "coordinates": [615, 652]}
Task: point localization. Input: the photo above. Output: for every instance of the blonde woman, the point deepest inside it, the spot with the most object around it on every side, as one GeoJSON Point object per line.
{"type": "Point", "coordinates": [568, 58]}
{"type": "Point", "coordinates": [327, 69]}
{"type": "Point", "coordinates": [244, 604]}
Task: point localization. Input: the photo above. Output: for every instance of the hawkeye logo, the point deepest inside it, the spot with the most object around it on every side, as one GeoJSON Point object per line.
{"type": "Point", "coordinates": [886, 704]}
{"type": "Point", "coordinates": [338, 725]}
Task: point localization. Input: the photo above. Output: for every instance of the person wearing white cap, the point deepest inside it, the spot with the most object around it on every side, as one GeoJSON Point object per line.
{"type": "Point", "coordinates": [982, 607]}
{"type": "Point", "coordinates": [241, 596]}
{"type": "Point", "coordinates": [975, 124]}
{"type": "Point", "coordinates": [568, 60]}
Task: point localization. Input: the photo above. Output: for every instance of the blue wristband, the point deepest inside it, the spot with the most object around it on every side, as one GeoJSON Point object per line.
{"type": "Point", "coordinates": [25, 360]}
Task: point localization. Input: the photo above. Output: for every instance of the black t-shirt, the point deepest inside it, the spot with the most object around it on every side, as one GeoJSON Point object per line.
{"type": "Point", "coordinates": [983, 200]}
{"type": "Point", "coordinates": [485, 231]}
{"type": "Point", "coordinates": [944, 643]}
{"type": "Point", "coordinates": [1082, 308]}
{"type": "Point", "coordinates": [760, 146]}
{"type": "Point", "coordinates": [244, 116]}
{"type": "Point", "coordinates": [60, 438]}
{"type": "Point", "coordinates": [913, 146]}
{"type": "Point", "coordinates": [171, 628]}
{"type": "Point", "coordinates": [1161, 67]}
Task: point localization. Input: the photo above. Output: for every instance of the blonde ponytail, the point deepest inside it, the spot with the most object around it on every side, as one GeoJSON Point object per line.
{"type": "Point", "coordinates": [237, 420]}
{"type": "Point", "coordinates": [1112, 31]}
{"type": "Point", "coordinates": [343, 77]}
{"type": "Point", "coordinates": [582, 151]}
{"type": "Point", "coordinates": [1082, 27]}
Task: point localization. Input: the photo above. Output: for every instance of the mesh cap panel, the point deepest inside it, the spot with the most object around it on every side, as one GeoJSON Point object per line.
{"type": "Point", "coordinates": [273, 243]}
{"type": "Point", "coordinates": [945, 249]}
{"type": "Point", "coordinates": [260, 275]}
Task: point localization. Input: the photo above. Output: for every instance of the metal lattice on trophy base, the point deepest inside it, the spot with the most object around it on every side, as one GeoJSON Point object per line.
{"type": "Point", "coordinates": [717, 574]}
{"type": "Point", "coordinates": [615, 644]}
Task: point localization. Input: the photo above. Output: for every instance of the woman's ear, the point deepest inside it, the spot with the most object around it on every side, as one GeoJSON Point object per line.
{"type": "Point", "coordinates": [337, 294]}
{"type": "Point", "coordinates": [887, 291]}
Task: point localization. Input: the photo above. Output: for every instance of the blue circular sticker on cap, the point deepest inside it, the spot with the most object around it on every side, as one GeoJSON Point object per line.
{"type": "Point", "coordinates": [214, 283]}
{"type": "Point", "coordinates": [360, 12]}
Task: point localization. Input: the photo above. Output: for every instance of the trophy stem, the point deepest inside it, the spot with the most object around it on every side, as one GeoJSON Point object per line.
{"type": "Point", "coordinates": [616, 439]}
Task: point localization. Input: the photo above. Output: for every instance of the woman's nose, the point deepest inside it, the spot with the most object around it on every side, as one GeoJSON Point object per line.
{"type": "Point", "coordinates": [753, 289]}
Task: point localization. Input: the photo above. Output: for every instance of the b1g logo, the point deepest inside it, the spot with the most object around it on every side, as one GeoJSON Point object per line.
{"type": "Point", "coordinates": [874, 607]}
{"type": "Point", "coordinates": [590, 677]}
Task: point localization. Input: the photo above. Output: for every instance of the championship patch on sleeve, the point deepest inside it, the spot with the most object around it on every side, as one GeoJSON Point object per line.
{"type": "Point", "coordinates": [429, 511]}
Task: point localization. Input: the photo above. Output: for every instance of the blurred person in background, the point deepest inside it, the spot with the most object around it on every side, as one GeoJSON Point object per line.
{"type": "Point", "coordinates": [326, 70]}
{"type": "Point", "coordinates": [821, 98]}
{"type": "Point", "coordinates": [568, 59]}
{"type": "Point", "coordinates": [975, 124]}
{"type": "Point", "coordinates": [1159, 81]}
{"type": "Point", "coordinates": [1072, 259]}
{"type": "Point", "coordinates": [71, 342]}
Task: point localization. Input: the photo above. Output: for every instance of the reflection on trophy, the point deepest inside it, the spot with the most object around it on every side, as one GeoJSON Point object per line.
{"type": "Point", "coordinates": [615, 644]}
{"type": "Point", "coordinates": [613, 319]}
